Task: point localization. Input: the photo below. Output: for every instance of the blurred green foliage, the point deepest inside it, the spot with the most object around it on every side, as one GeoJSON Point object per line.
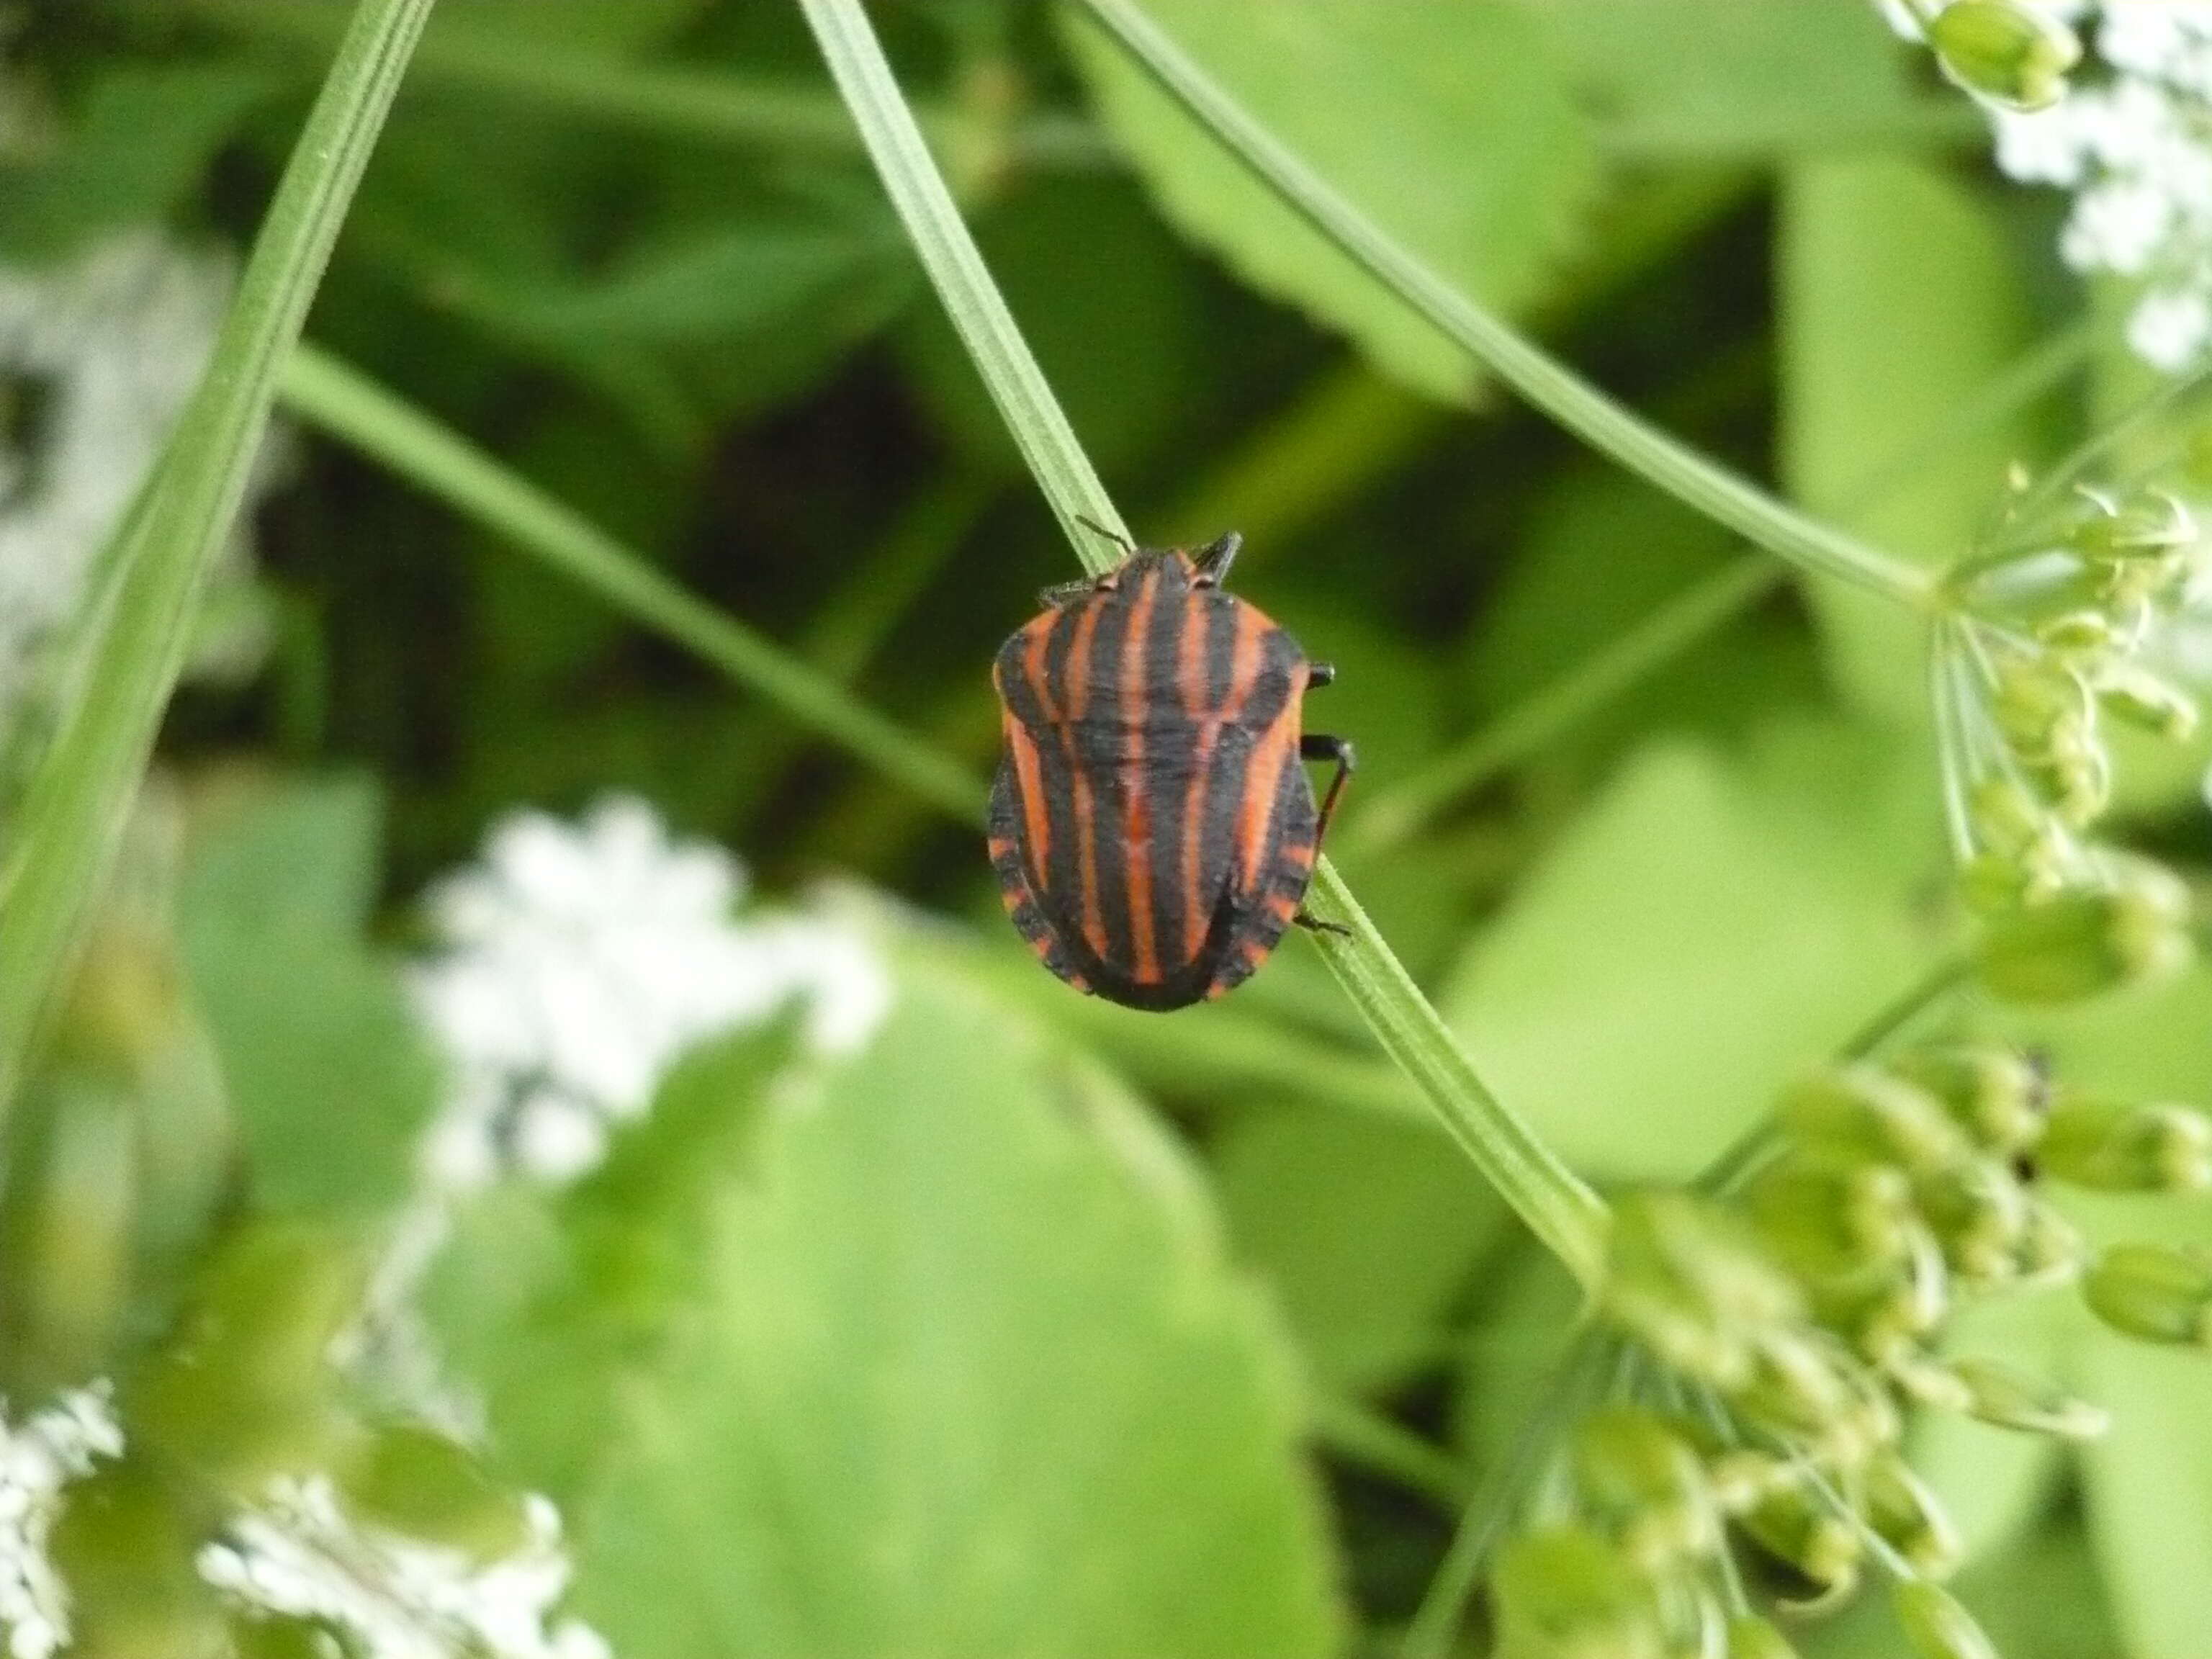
{"type": "Point", "coordinates": [1025, 1331]}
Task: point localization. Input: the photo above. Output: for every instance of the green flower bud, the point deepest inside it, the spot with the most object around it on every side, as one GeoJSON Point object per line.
{"type": "Point", "coordinates": [2088, 941]}
{"type": "Point", "coordinates": [1993, 1094]}
{"type": "Point", "coordinates": [1978, 1213]}
{"type": "Point", "coordinates": [1563, 1592]}
{"type": "Point", "coordinates": [1910, 1517]}
{"type": "Point", "coordinates": [2140, 697]}
{"type": "Point", "coordinates": [1991, 882]}
{"type": "Point", "coordinates": [1833, 1222]}
{"type": "Point", "coordinates": [1937, 1625]}
{"type": "Point", "coordinates": [422, 1486]}
{"type": "Point", "coordinates": [2004, 50]}
{"type": "Point", "coordinates": [2157, 1292]}
{"type": "Point", "coordinates": [1796, 1526]}
{"type": "Point", "coordinates": [1799, 1389]}
{"type": "Point", "coordinates": [2051, 1249]}
{"type": "Point", "coordinates": [2009, 1398]}
{"type": "Point", "coordinates": [1685, 1281]}
{"type": "Point", "coordinates": [2078, 634]}
{"type": "Point", "coordinates": [1740, 1479]}
{"type": "Point", "coordinates": [1750, 1636]}
{"type": "Point", "coordinates": [2150, 524]}
{"type": "Point", "coordinates": [1639, 1482]}
{"type": "Point", "coordinates": [2118, 1147]}
{"type": "Point", "coordinates": [1886, 1322]}
{"type": "Point", "coordinates": [1863, 1114]}
{"type": "Point", "coordinates": [2042, 707]}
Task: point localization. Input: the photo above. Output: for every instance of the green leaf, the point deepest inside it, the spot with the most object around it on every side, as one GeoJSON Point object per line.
{"type": "Point", "coordinates": [1704, 932]}
{"type": "Point", "coordinates": [2149, 1490]}
{"type": "Point", "coordinates": [1367, 1230]}
{"type": "Point", "coordinates": [948, 1376]}
{"type": "Point", "coordinates": [1450, 123]}
{"type": "Point", "coordinates": [1764, 76]}
{"type": "Point", "coordinates": [139, 626]}
{"type": "Point", "coordinates": [328, 1075]}
{"type": "Point", "coordinates": [141, 137]}
{"type": "Point", "coordinates": [1899, 300]}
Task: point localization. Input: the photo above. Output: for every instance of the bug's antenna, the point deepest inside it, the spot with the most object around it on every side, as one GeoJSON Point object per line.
{"type": "Point", "coordinates": [1216, 556]}
{"type": "Point", "coordinates": [1113, 536]}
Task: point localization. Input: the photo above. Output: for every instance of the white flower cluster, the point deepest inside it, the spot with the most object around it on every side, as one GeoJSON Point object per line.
{"type": "Point", "coordinates": [579, 963]}
{"type": "Point", "coordinates": [300, 1555]}
{"type": "Point", "coordinates": [2135, 149]}
{"type": "Point", "coordinates": [38, 1460]}
{"type": "Point", "coordinates": [98, 356]}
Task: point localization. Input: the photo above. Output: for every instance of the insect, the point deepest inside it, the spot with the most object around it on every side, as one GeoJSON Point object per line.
{"type": "Point", "coordinates": [1151, 827]}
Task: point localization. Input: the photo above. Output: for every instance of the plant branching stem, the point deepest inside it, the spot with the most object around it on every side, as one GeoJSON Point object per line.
{"type": "Point", "coordinates": [131, 644]}
{"type": "Point", "coordinates": [340, 401]}
{"type": "Point", "coordinates": [1570, 1218]}
{"type": "Point", "coordinates": [1548, 384]}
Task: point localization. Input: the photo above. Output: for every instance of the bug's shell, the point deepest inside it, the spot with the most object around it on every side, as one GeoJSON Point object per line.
{"type": "Point", "coordinates": [1150, 827]}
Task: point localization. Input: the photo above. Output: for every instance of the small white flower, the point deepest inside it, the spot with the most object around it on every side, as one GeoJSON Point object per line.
{"type": "Point", "coordinates": [38, 1460]}
{"type": "Point", "coordinates": [2136, 151]}
{"type": "Point", "coordinates": [101, 354]}
{"type": "Point", "coordinates": [579, 963]}
{"type": "Point", "coordinates": [300, 1554]}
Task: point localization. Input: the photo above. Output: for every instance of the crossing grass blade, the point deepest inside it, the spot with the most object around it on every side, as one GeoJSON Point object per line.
{"type": "Point", "coordinates": [1558, 1207]}
{"type": "Point", "coordinates": [132, 641]}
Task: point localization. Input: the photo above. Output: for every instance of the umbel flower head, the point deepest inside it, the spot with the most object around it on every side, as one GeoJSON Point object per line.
{"type": "Point", "coordinates": [2052, 633]}
{"type": "Point", "coordinates": [2132, 142]}
{"type": "Point", "coordinates": [1768, 1339]}
{"type": "Point", "coordinates": [576, 965]}
{"type": "Point", "coordinates": [39, 1458]}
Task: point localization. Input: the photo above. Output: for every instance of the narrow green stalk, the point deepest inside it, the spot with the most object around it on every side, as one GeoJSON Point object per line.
{"type": "Point", "coordinates": [971, 299]}
{"type": "Point", "coordinates": [132, 644]}
{"type": "Point", "coordinates": [1548, 384]}
{"type": "Point", "coordinates": [1362, 1436]}
{"type": "Point", "coordinates": [1394, 813]}
{"type": "Point", "coordinates": [1564, 1213]}
{"type": "Point", "coordinates": [709, 105]}
{"type": "Point", "coordinates": [1388, 816]}
{"type": "Point", "coordinates": [329, 395]}
{"type": "Point", "coordinates": [1574, 1384]}
{"type": "Point", "coordinates": [1346, 429]}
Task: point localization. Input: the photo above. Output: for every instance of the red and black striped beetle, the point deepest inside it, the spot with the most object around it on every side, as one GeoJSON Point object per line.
{"type": "Point", "coordinates": [1151, 826]}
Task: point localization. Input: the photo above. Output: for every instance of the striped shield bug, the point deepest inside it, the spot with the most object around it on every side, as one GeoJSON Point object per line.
{"type": "Point", "coordinates": [1152, 827]}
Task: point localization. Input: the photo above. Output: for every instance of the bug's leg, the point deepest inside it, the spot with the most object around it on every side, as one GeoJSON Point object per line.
{"type": "Point", "coordinates": [1314, 924]}
{"type": "Point", "coordinates": [1214, 559]}
{"type": "Point", "coordinates": [1319, 674]}
{"type": "Point", "coordinates": [1128, 548]}
{"type": "Point", "coordinates": [1060, 593]}
{"type": "Point", "coordinates": [1318, 745]}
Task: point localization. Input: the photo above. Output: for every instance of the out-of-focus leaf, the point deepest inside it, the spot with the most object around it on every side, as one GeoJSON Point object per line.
{"type": "Point", "coordinates": [1450, 124]}
{"type": "Point", "coordinates": [1762, 76]}
{"type": "Point", "coordinates": [1707, 930]}
{"type": "Point", "coordinates": [1569, 593]}
{"type": "Point", "coordinates": [941, 1374]}
{"type": "Point", "coordinates": [1106, 302]}
{"type": "Point", "coordinates": [328, 1073]}
{"type": "Point", "coordinates": [574, 25]}
{"type": "Point", "coordinates": [1899, 301]}
{"type": "Point", "coordinates": [726, 281]}
{"type": "Point", "coordinates": [1367, 1229]}
{"type": "Point", "coordinates": [2150, 1486]}
{"type": "Point", "coordinates": [140, 139]}
{"type": "Point", "coordinates": [1994, 1482]}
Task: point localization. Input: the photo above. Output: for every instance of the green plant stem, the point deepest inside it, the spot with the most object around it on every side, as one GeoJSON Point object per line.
{"type": "Point", "coordinates": [1573, 1385]}
{"type": "Point", "coordinates": [1394, 814]}
{"type": "Point", "coordinates": [1548, 384]}
{"type": "Point", "coordinates": [1356, 1433]}
{"type": "Point", "coordinates": [710, 106]}
{"type": "Point", "coordinates": [132, 643]}
{"type": "Point", "coordinates": [1563, 1213]}
{"type": "Point", "coordinates": [336, 399]}
{"type": "Point", "coordinates": [1033, 416]}
{"type": "Point", "coordinates": [1388, 816]}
